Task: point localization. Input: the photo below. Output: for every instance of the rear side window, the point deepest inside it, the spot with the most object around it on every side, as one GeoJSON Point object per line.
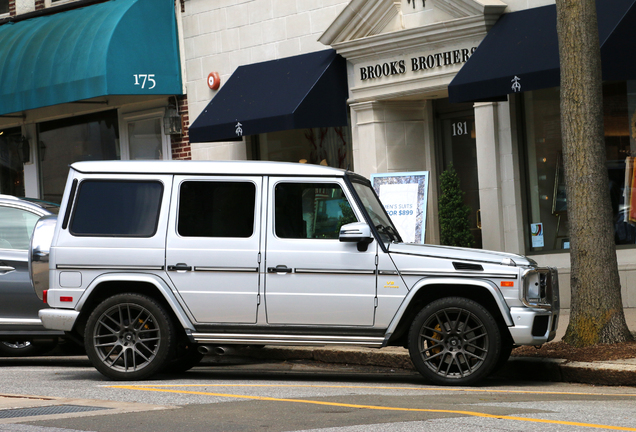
{"type": "Point", "coordinates": [216, 209]}
{"type": "Point", "coordinates": [109, 208]}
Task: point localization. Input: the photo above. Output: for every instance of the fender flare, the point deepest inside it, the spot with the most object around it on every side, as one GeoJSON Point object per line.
{"type": "Point", "coordinates": [425, 282]}
{"type": "Point", "coordinates": [152, 279]}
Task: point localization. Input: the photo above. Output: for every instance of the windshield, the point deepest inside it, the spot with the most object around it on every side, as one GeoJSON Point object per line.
{"type": "Point", "coordinates": [376, 211]}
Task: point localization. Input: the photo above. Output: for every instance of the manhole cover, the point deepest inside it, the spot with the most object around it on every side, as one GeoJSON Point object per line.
{"type": "Point", "coordinates": [47, 410]}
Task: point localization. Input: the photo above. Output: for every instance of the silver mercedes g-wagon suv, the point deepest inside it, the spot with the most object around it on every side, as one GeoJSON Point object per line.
{"type": "Point", "coordinates": [152, 264]}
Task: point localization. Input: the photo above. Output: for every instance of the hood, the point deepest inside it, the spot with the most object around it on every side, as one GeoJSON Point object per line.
{"type": "Point", "coordinates": [461, 254]}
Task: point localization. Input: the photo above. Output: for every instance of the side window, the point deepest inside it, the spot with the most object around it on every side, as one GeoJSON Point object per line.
{"type": "Point", "coordinates": [311, 210]}
{"type": "Point", "coordinates": [216, 209]}
{"type": "Point", "coordinates": [16, 227]}
{"type": "Point", "coordinates": [111, 208]}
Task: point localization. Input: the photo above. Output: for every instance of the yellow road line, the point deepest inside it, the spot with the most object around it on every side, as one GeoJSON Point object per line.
{"type": "Point", "coordinates": [427, 389]}
{"type": "Point", "coordinates": [372, 407]}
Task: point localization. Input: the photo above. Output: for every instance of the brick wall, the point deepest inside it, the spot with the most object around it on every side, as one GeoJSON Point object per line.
{"type": "Point", "coordinates": [39, 4]}
{"type": "Point", "coordinates": [181, 143]}
{"type": "Point", "coordinates": [11, 7]}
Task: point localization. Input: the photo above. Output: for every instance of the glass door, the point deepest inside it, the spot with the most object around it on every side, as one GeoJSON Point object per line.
{"type": "Point", "coordinates": [12, 162]}
{"type": "Point", "coordinates": [460, 149]}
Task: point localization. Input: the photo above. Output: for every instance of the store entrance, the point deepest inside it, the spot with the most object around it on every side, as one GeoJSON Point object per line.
{"type": "Point", "coordinates": [12, 155]}
{"type": "Point", "coordinates": [459, 147]}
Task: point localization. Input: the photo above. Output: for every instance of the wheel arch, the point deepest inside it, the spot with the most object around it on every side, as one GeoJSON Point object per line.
{"type": "Point", "coordinates": [428, 290]}
{"type": "Point", "coordinates": [118, 283]}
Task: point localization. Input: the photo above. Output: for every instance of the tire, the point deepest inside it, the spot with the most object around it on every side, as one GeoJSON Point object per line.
{"type": "Point", "coordinates": [23, 348]}
{"type": "Point", "coordinates": [506, 349]}
{"type": "Point", "coordinates": [186, 358]}
{"type": "Point", "coordinates": [129, 337]}
{"type": "Point", "coordinates": [454, 341]}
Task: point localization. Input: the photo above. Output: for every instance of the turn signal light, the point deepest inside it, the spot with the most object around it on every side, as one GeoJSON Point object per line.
{"type": "Point", "coordinates": [45, 296]}
{"type": "Point", "coordinates": [507, 283]}
{"type": "Point", "coordinates": [66, 299]}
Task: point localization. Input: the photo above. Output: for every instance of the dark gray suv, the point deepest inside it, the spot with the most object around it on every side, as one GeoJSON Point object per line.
{"type": "Point", "coordinates": [21, 331]}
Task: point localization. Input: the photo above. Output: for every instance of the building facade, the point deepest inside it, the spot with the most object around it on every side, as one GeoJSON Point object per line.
{"type": "Point", "coordinates": [76, 87]}
{"type": "Point", "coordinates": [402, 56]}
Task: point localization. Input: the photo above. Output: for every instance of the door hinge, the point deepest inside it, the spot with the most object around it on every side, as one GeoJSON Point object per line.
{"type": "Point", "coordinates": [377, 260]}
{"type": "Point", "coordinates": [259, 257]}
{"type": "Point", "coordinates": [258, 299]}
{"type": "Point", "coordinates": [375, 302]}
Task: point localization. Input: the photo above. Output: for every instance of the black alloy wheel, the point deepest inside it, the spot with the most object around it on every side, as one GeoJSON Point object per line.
{"type": "Point", "coordinates": [454, 341]}
{"type": "Point", "coordinates": [129, 337]}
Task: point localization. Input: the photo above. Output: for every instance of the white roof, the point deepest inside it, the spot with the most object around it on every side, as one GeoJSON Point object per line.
{"type": "Point", "coordinates": [207, 167]}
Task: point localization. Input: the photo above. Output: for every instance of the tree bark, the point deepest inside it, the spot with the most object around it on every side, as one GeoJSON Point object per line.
{"type": "Point", "coordinates": [596, 314]}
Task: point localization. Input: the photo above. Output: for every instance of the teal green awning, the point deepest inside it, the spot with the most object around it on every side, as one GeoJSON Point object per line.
{"type": "Point", "coordinates": [119, 47]}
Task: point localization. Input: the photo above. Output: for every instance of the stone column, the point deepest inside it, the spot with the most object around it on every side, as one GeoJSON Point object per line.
{"type": "Point", "coordinates": [397, 136]}
{"type": "Point", "coordinates": [499, 178]}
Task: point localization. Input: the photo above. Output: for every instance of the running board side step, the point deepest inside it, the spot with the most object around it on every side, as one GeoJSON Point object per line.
{"type": "Point", "coordinates": [288, 340]}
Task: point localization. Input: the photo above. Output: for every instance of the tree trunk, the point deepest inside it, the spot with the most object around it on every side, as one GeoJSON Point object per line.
{"type": "Point", "coordinates": [596, 314]}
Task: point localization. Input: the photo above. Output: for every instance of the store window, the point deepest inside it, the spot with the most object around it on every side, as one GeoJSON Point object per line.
{"type": "Point", "coordinates": [547, 208]}
{"type": "Point", "coordinates": [12, 156]}
{"type": "Point", "coordinates": [81, 138]}
{"type": "Point", "coordinates": [143, 136]}
{"type": "Point", "coordinates": [330, 146]}
{"type": "Point", "coordinates": [4, 7]}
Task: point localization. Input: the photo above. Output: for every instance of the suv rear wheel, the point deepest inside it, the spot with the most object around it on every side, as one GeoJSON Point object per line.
{"type": "Point", "coordinates": [129, 337]}
{"type": "Point", "coordinates": [454, 341]}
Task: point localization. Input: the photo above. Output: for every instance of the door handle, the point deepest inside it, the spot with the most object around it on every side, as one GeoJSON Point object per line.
{"type": "Point", "coordinates": [180, 267]}
{"type": "Point", "coordinates": [279, 269]}
{"type": "Point", "coordinates": [6, 269]}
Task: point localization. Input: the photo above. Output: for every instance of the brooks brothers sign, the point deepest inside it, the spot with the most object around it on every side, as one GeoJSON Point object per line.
{"type": "Point", "coordinates": [420, 63]}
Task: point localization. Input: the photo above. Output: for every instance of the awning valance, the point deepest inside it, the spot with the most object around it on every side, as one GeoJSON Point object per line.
{"type": "Point", "coordinates": [303, 91]}
{"type": "Point", "coordinates": [521, 52]}
{"type": "Point", "coordinates": [119, 47]}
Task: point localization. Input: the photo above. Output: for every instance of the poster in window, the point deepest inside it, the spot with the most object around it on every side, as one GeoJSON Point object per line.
{"type": "Point", "coordinates": [405, 197]}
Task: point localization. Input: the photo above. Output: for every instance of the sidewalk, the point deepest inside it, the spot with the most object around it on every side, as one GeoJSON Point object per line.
{"type": "Point", "coordinates": [616, 372]}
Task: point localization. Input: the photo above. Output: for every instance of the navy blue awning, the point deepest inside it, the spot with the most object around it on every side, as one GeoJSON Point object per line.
{"type": "Point", "coordinates": [521, 52]}
{"type": "Point", "coordinates": [304, 91]}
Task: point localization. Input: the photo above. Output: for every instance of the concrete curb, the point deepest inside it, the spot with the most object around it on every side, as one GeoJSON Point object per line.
{"type": "Point", "coordinates": [612, 373]}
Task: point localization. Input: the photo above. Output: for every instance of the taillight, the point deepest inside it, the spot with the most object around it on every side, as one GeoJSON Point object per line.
{"type": "Point", "coordinates": [45, 296]}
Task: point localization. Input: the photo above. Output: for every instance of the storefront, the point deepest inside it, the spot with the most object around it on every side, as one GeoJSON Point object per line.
{"type": "Point", "coordinates": [420, 96]}
{"type": "Point", "coordinates": [87, 80]}
{"type": "Point", "coordinates": [518, 64]}
{"type": "Point", "coordinates": [402, 57]}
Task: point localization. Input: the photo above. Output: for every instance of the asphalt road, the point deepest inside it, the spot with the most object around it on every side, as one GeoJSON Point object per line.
{"type": "Point", "coordinates": [293, 396]}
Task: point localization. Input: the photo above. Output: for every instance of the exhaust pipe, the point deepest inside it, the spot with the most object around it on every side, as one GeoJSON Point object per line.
{"type": "Point", "coordinates": [218, 350]}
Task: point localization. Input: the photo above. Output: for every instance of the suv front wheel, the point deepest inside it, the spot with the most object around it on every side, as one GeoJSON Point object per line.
{"type": "Point", "coordinates": [129, 337]}
{"type": "Point", "coordinates": [454, 341]}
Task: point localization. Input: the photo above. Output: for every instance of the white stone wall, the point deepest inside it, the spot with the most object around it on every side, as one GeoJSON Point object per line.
{"type": "Point", "coordinates": [221, 35]}
{"type": "Point", "coordinates": [24, 6]}
{"type": "Point", "coordinates": [516, 5]}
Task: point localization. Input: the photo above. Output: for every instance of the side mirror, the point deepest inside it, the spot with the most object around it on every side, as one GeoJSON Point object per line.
{"type": "Point", "coordinates": [357, 232]}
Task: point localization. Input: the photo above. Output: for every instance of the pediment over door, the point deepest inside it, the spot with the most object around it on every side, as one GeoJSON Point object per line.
{"type": "Point", "coordinates": [408, 48]}
{"type": "Point", "coordinates": [364, 18]}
